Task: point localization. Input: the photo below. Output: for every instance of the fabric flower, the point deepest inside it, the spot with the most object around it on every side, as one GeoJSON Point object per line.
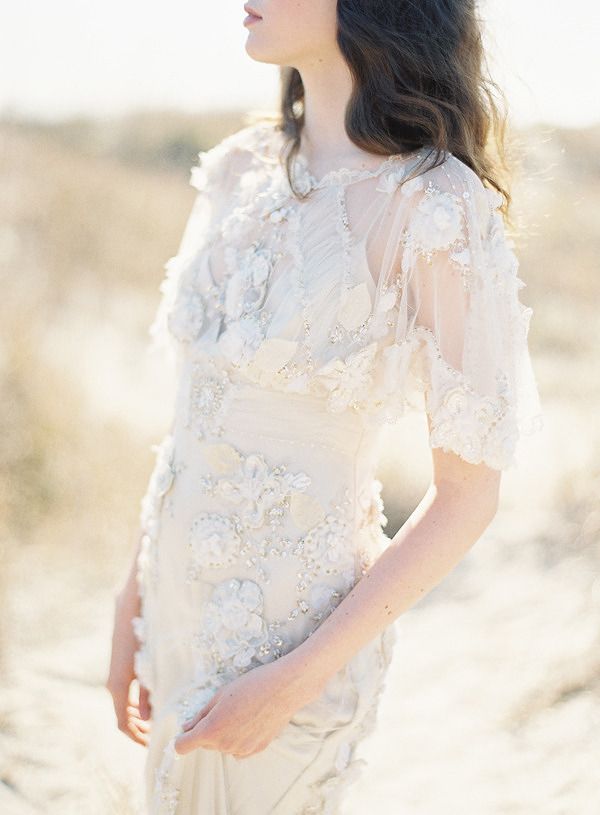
{"type": "Point", "coordinates": [258, 266]}
{"type": "Point", "coordinates": [246, 286]}
{"type": "Point", "coordinates": [164, 471]}
{"type": "Point", "coordinates": [238, 226]}
{"type": "Point", "coordinates": [233, 621]}
{"type": "Point", "coordinates": [472, 425]}
{"type": "Point", "coordinates": [240, 340]}
{"type": "Point", "coordinates": [381, 315]}
{"type": "Point", "coordinates": [187, 317]}
{"type": "Point", "coordinates": [199, 178]}
{"type": "Point", "coordinates": [160, 482]}
{"type": "Point", "coordinates": [214, 540]}
{"type": "Point", "coordinates": [279, 215]}
{"type": "Point", "coordinates": [414, 185]}
{"type": "Point", "coordinates": [348, 380]}
{"type": "Point", "coordinates": [301, 176]}
{"type": "Point", "coordinates": [438, 221]}
{"type": "Point", "coordinates": [209, 168]}
{"type": "Point", "coordinates": [329, 540]}
{"type": "Point", "coordinates": [390, 181]}
{"type": "Point", "coordinates": [258, 490]}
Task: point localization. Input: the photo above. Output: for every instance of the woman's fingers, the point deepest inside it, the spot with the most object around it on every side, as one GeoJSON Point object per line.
{"type": "Point", "coordinates": [135, 728]}
{"type": "Point", "coordinates": [129, 719]}
{"type": "Point", "coordinates": [132, 729]}
{"type": "Point", "coordinates": [144, 703]}
{"type": "Point", "coordinates": [200, 735]}
{"type": "Point", "coordinates": [132, 726]}
{"type": "Point", "coordinates": [134, 714]}
{"type": "Point", "coordinates": [202, 712]}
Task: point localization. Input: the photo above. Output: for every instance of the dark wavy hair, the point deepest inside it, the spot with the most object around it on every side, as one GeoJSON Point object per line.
{"type": "Point", "coordinates": [420, 79]}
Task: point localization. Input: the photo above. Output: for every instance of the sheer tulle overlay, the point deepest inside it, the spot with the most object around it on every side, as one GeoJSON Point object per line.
{"type": "Point", "coordinates": [298, 329]}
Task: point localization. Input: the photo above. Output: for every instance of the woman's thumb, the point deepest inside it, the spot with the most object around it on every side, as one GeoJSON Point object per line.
{"type": "Point", "coordinates": [144, 704]}
{"type": "Point", "coordinates": [202, 712]}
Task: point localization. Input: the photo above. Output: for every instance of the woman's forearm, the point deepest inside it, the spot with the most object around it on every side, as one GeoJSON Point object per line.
{"type": "Point", "coordinates": [128, 595]}
{"type": "Point", "coordinates": [439, 532]}
{"type": "Point", "coordinates": [127, 606]}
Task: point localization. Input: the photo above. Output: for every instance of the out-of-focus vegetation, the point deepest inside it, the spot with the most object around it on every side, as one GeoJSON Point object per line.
{"type": "Point", "coordinates": [89, 213]}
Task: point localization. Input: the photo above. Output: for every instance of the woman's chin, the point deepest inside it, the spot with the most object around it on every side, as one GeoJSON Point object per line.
{"type": "Point", "coordinates": [259, 53]}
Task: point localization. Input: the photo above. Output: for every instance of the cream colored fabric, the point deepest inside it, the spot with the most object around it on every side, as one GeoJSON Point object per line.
{"type": "Point", "coordinates": [298, 330]}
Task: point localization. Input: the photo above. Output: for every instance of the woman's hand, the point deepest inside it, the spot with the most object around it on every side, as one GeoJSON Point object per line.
{"type": "Point", "coordinates": [244, 716]}
{"type": "Point", "coordinates": [133, 709]}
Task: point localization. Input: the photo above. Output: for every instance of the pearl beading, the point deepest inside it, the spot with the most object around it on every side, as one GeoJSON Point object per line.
{"type": "Point", "coordinates": [209, 399]}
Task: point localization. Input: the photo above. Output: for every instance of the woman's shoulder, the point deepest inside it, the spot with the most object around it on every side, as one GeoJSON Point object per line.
{"type": "Point", "coordinates": [448, 196]}
{"type": "Point", "coordinates": [232, 154]}
{"type": "Point", "coordinates": [455, 179]}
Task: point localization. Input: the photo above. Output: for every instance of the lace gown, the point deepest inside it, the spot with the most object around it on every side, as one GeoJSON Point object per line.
{"type": "Point", "coordinates": [298, 329]}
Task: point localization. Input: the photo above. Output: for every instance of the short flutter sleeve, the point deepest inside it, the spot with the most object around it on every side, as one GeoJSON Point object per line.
{"type": "Point", "coordinates": [460, 330]}
{"type": "Point", "coordinates": [211, 177]}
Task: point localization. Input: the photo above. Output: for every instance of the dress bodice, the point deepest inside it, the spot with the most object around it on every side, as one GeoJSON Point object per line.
{"type": "Point", "coordinates": [374, 295]}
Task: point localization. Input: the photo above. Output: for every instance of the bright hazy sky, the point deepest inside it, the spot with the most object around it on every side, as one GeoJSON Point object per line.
{"type": "Point", "coordinates": [76, 56]}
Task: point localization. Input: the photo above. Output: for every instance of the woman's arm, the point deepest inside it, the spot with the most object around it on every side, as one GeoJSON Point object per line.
{"type": "Point", "coordinates": [246, 714]}
{"type": "Point", "coordinates": [132, 714]}
{"type": "Point", "coordinates": [459, 504]}
{"type": "Point", "coordinates": [128, 594]}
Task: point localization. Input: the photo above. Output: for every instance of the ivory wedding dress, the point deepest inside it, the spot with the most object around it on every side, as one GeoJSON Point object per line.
{"type": "Point", "coordinates": [298, 329]}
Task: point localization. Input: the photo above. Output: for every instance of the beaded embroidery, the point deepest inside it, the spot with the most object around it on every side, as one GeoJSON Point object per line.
{"type": "Point", "coordinates": [287, 522]}
{"type": "Point", "coordinates": [166, 792]}
{"type": "Point", "coordinates": [210, 393]}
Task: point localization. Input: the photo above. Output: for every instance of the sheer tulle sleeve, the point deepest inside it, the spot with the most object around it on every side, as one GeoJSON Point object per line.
{"type": "Point", "coordinates": [210, 177]}
{"type": "Point", "coordinates": [460, 328]}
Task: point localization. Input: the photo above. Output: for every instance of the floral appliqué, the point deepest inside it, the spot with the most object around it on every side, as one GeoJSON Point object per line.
{"type": "Point", "coordinates": [244, 318]}
{"type": "Point", "coordinates": [260, 491]}
{"type": "Point", "coordinates": [438, 220]}
{"type": "Point", "coordinates": [187, 315]}
{"type": "Point", "coordinates": [210, 394]}
{"type": "Point", "coordinates": [472, 424]}
{"type": "Point", "coordinates": [234, 634]}
{"type": "Point", "coordinates": [348, 380]}
{"type": "Point", "coordinates": [160, 482]}
{"type": "Point", "coordinates": [259, 494]}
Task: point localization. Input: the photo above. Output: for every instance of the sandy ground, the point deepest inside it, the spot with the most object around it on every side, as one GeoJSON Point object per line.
{"type": "Point", "coordinates": [492, 705]}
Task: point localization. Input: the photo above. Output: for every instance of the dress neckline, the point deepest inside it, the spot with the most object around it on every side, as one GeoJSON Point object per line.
{"type": "Point", "coordinates": [344, 175]}
{"type": "Point", "coordinates": [307, 181]}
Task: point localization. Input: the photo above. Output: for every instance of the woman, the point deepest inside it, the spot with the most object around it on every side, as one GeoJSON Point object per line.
{"type": "Point", "coordinates": [343, 263]}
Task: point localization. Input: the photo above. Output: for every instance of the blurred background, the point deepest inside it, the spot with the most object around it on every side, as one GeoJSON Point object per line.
{"type": "Point", "coordinates": [493, 703]}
